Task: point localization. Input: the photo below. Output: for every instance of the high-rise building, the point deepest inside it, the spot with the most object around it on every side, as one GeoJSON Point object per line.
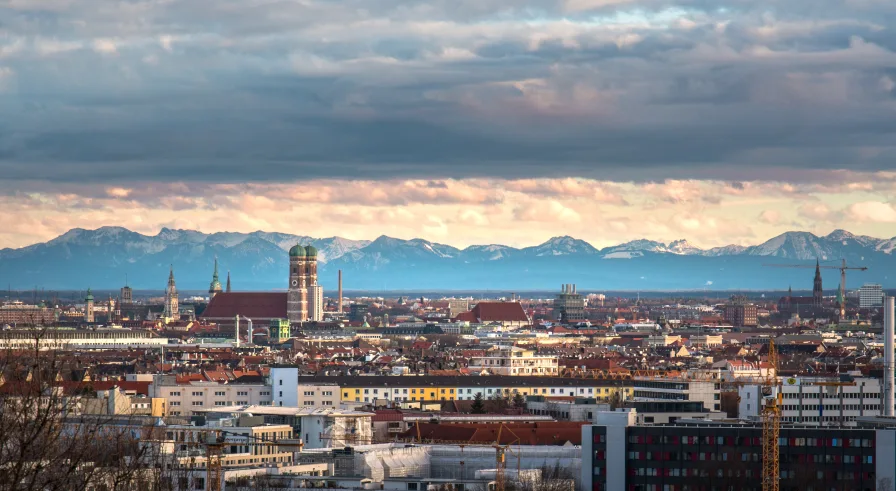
{"type": "Point", "coordinates": [126, 295]}
{"type": "Point", "coordinates": [302, 277]}
{"type": "Point", "coordinates": [214, 287]}
{"type": "Point", "coordinates": [88, 313]}
{"type": "Point", "coordinates": [871, 295]}
{"type": "Point", "coordinates": [569, 306]}
{"type": "Point", "coordinates": [741, 314]}
{"type": "Point", "coordinates": [172, 307]}
{"type": "Point", "coordinates": [358, 312]}
{"type": "Point", "coordinates": [315, 303]}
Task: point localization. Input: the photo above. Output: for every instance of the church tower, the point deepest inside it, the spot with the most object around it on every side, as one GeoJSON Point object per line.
{"type": "Point", "coordinates": [301, 295]}
{"type": "Point", "coordinates": [88, 313]}
{"type": "Point", "coordinates": [228, 282]}
{"type": "Point", "coordinates": [172, 310]}
{"type": "Point", "coordinates": [817, 291]}
{"type": "Point", "coordinates": [214, 287]}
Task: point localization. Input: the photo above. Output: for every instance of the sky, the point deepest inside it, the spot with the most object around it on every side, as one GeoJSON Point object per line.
{"type": "Point", "coordinates": [459, 121]}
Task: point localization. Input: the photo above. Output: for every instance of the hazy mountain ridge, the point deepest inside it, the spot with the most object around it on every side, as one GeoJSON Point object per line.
{"type": "Point", "coordinates": [102, 257]}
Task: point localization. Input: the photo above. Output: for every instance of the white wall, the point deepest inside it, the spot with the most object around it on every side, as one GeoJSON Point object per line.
{"type": "Point", "coordinates": [285, 386]}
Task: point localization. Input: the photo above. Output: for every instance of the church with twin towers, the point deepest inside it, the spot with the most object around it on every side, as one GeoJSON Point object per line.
{"type": "Point", "coordinates": [302, 301]}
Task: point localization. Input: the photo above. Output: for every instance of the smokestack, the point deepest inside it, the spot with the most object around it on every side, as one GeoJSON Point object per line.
{"type": "Point", "coordinates": [889, 395]}
{"type": "Point", "coordinates": [236, 332]}
{"type": "Point", "coordinates": [340, 292]}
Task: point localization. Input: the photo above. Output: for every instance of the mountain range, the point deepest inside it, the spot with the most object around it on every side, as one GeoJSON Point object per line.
{"type": "Point", "coordinates": [105, 257]}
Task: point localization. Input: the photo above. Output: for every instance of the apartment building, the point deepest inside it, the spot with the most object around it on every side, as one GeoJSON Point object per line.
{"type": "Point", "coordinates": [447, 388]}
{"type": "Point", "coordinates": [514, 360]}
{"type": "Point", "coordinates": [695, 456]}
{"type": "Point", "coordinates": [186, 399]}
{"type": "Point", "coordinates": [287, 392]}
{"type": "Point", "coordinates": [706, 392]}
{"type": "Point", "coordinates": [817, 401]}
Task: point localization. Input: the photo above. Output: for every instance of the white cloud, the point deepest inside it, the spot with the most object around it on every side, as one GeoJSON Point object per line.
{"type": "Point", "coordinates": [872, 211]}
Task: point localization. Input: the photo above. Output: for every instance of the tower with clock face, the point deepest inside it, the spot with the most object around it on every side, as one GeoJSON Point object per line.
{"type": "Point", "coordinates": [302, 277]}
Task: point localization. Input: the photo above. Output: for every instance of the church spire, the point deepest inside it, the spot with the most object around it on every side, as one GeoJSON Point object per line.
{"type": "Point", "coordinates": [817, 290]}
{"type": "Point", "coordinates": [171, 276]}
{"type": "Point", "coordinates": [215, 286]}
{"type": "Point", "coordinates": [228, 281]}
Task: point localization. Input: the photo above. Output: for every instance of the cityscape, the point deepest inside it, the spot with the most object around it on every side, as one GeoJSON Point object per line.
{"type": "Point", "coordinates": [467, 245]}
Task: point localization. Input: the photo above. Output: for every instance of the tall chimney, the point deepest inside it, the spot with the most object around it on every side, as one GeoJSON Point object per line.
{"type": "Point", "coordinates": [339, 302]}
{"type": "Point", "coordinates": [889, 395]}
{"type": "Point", "coordinates": [236, 332]}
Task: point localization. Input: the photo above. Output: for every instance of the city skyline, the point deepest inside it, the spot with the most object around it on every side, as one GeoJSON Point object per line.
{"type": "Point", "coordinates": [474, 122]}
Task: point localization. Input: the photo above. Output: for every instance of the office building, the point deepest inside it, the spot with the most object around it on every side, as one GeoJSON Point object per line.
{"type": "Point", "coordinates": [569, 306]}
{"type": "Point", "coordinates": [871, 296]}
{"type": "Point", "coordinates": [705, 455]}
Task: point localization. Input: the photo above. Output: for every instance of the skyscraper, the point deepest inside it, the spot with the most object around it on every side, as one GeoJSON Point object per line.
{"type": "Point", "coordinates": [172, 309]}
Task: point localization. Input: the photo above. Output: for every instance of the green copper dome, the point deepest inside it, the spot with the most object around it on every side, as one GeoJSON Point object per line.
{"type": "Point", "coordinates": [89, 295]}
{"type": "Point", "coordinates": [311, 251]}
{"type": "Point", "coordinates": [297, 251]}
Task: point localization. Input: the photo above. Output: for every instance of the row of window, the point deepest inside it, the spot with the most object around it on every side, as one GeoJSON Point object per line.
{"type": "Point", "coordinates": [831, 395]}
{"type": "Point", "coordinates": [222, 393]}
{"type": "Point", "coordinates": [831, 407]}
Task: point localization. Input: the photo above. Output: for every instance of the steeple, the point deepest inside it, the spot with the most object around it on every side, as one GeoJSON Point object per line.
{"type": "Point", "coordinates": [214, 287]}
{"type": "Point", "coordinates": [228, 281]}
{"type": "Point", "coordinates": [172, 307]}
{"type": "Point", "coordinates": [817, 290]}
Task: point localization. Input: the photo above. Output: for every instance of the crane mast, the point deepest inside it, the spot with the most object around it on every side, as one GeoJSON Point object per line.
{"type": "Point", "coordinates": [771, 422]}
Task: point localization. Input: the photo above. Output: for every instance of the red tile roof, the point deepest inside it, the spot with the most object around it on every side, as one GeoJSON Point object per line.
{"type": "Point", "coordinates": [254, 305]}
{"type": "Point", "coordinates": [542, 433]}
{"type": "Point", "coordinates": [500, 312]}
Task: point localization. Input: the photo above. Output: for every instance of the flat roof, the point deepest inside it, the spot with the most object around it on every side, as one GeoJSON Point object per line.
{"type": "Point", "coordinates": [285, 411]}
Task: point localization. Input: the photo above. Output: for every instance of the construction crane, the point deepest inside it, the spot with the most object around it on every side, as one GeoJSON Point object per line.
{"type": "Point", "coordinates": [771, 422]}
{"type": "Point", "coordinates": [214, 452]}
{"type": "Point", "coordinates": [841, 296]}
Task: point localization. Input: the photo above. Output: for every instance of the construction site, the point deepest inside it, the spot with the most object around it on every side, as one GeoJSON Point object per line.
{"type": "Point", "coordinates": [385, 461]}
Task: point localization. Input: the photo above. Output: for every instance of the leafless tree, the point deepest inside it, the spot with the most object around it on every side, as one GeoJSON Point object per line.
{"type": "Point", "coordinates": [46, 444]}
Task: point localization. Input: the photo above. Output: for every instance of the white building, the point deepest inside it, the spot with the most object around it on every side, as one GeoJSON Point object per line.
{"type": "Point", "coordinates": [316, 303]}
{"type": "Point", "coordinates": [705, 340]}
{"type": "Point", "coordinates": [111, 338]}
{"type": "Point", "coordinates": [289, 392]}
{"type": "Point", "coordinates": [515, 361]}
{"type": "Point", "coordinates": [317, 427]}
{"type": "Point", "coordinates": [817, 401]}
{"type": "Point", "coordinates": [707, 392]}
{"type": "Point", "coordinates": [661, 340]}
{"type": "Point", "coordinates": [190, 398]}
{"type": "Point", "coordinates": [871, 295]}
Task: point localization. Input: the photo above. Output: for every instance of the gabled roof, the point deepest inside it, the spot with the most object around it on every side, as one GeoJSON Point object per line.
{"type": "Point", "coordinates": [254, 305]}
{"type": "Point", "coordinates": [500, 312]}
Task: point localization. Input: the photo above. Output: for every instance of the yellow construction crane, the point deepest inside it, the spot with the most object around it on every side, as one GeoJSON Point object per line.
{"type": "Point", "coordinates": [771, 422]}
{"type": "Point", "coordinates": [841, 296]}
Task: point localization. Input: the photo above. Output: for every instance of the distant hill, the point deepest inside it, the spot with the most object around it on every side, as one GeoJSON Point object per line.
{"type": "Point", "coordinates": [257, 261]}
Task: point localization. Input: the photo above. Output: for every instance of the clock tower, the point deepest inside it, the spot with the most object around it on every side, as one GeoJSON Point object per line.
{"type": "Point", "coordinates": [301, 297]}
